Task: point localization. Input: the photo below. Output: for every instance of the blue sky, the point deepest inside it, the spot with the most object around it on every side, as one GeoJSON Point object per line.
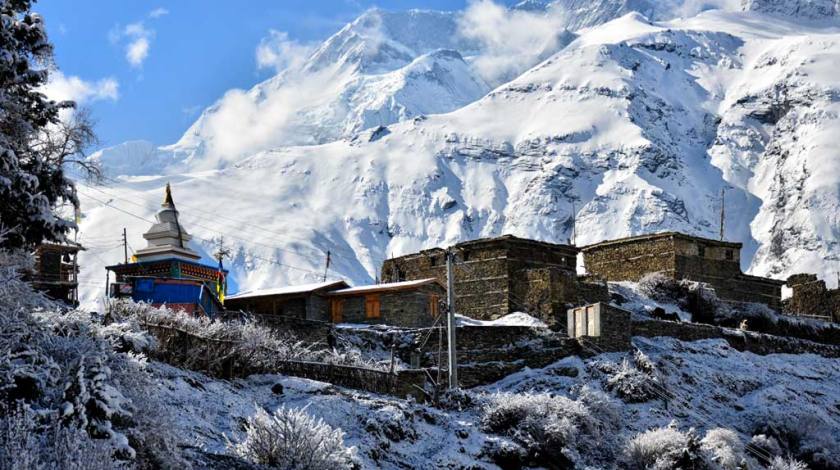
{"type": "Point", "coordinates": [147, 69]}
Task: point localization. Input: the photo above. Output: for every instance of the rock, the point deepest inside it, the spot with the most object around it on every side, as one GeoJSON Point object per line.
{"type": "Point", "coordinates": [277, 389]}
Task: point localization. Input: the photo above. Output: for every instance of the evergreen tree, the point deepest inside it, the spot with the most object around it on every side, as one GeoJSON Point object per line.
{"type": "Point", "coordinates": [32, 180]}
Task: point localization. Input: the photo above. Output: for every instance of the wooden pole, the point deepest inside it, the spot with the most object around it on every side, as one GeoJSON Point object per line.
{"type": "Point", "coordinates": [125, 246]}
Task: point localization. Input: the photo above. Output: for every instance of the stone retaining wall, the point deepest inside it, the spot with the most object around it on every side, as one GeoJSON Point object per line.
{"type": "Point", "coordinates": [743, 341]}
{"type": "Point", "coordinates": [216, 361]}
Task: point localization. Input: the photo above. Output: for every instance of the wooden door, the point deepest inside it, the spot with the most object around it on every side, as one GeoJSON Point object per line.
{"type": "Point", "coordinates": [372, 306]}
{"type": "Point", "coordinates": [336, 306]}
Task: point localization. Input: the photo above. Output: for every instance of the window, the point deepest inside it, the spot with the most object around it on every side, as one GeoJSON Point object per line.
{"type": "Point", "coordinates": [701, 251]}
{"type": "Point", "coordinates": [465, 254]}
{"type": "Point", "coordinates": [372, 306]}
{"type": "Point", "coordinates": [336, 306]}
{"type": "Point", "coordinates": [434, 306]}
{"type": "Point", "coordinates": [730, 255]}
{"type": "Point", "coordinates": [433, 260]}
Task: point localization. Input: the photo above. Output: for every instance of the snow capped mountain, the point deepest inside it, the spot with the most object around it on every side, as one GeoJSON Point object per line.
{"type": "Point", "coordinates": [389, 139]}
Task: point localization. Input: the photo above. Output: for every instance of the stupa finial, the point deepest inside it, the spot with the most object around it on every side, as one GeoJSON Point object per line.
{"type": "Point", "coordinates": [167, 200]}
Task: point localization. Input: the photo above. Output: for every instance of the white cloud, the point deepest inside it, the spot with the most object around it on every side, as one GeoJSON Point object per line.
{"type": "Point", "coordinates": [138, 41]}
{"type": "Point", "coordinates": [279, 52]}
{"type": "Point", "coordinates": [513, 40]}
{"type": "Point", "coordinates": [158, 12]}
{"type": "Point", "coordinates": [70, 87]}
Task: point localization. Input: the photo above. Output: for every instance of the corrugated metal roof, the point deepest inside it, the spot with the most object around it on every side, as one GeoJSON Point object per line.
{"type": "Point", "coordinates": [287, 290]}
{"type": "Point", "coordinates": [390, 286]}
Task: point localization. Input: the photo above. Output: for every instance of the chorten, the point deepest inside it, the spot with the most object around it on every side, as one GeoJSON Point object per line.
{"type": "Point", "coordinates": [167, 238]}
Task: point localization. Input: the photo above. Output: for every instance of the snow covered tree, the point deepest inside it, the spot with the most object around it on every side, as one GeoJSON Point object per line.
{"type": "Point", "coordinates": [32, 180]}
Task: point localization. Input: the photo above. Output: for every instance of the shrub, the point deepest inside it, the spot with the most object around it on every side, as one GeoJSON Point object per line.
{"type": "Point", "coordinates": [723, 450]}
{"type": "Point", "coordinates": [552, 428]}
{"type": "Point", "coordinates": [27, 444]}
{"type": "Point", "coordinates": [663, 449]}
{"type": "Point", "coordinates": [637, 382]}
{"type": "Point", "coordinates": [660, 287]}
{"type": "Point", "coordinates": [291, 439]}
{"type": "Point", "coordinates": [790, 463]}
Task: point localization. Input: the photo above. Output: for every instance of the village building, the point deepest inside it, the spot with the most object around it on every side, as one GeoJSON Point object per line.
{"type": "Point", "coordinates": [302, 302]}
{"type": "Point", "coordinates": [414, 304]}
{"type": "Point", "coordinates": [167, 271]}
{"type": "Point", "coordinates": [497, 276]}
{"type": "Point", "coordinates": [812, 299]}
{"type": "Point", "coordinates": [56, 271]}
{"type": "Point", "coordinates": [680, 256]}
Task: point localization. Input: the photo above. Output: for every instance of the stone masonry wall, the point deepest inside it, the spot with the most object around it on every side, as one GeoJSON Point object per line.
{"type": "Point", "coordinates": [743, 341]}
{"type": "Point", "coordinates": [811, 298]}
{"type": "Point", "coordinates": [493, 277]}
{"type": "Point", "coordinates": [410, 308]}
{"type": "Point", "coordinates": [631, 261]}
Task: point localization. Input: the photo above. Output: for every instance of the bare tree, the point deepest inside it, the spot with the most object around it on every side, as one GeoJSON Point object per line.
{"type": "Point", "coordinates": [67, 142]}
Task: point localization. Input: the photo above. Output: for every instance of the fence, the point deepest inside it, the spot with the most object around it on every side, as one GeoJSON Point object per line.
{"type": "Point", "coordinates": [217, 358]}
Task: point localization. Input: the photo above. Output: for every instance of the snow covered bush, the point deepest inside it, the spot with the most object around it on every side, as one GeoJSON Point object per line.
{"type": "Point", "coordinates": [779, 463]}
{"type": "Point", "coordinates": [62, 365]}
{"type": "Point", "coordinates": [216, 345]}
{"type": "Point", "coordinates": [637, 382]}
{"type": "Point", "coordinates": [292, 439]}
{"type": "Point", "coordinates": [552, 428]}
{"type": "Point", "coordinates": [660, 287]}
{"type": "Point", "coordinates": [723, 450]}
{"type": "Point", "coordinates": [803, 434]}
{"type": "Point", "coordinates": [665, 448]}
{"type": "Point", "coordinates": [31, 441]}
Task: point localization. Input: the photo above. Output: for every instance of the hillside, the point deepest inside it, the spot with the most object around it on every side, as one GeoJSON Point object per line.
{"type": "Point", "coordinates": [636, 122]}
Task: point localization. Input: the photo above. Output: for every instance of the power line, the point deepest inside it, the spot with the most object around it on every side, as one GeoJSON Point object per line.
{"type": "Point", "coordinates": [214, 215]}
{"type": "Point", "coordinates": [246, 240]}
{"type": "Point", "coordinates": [108, 204]}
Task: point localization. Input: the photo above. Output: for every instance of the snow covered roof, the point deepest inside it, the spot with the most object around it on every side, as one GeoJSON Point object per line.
{"type": "Point", "coordinates": [389, 286]}
{"type": "Point", "coordinates": [286, 290]}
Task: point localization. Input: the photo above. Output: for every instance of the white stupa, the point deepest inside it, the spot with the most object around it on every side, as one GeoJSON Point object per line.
{"type": "Point", "coordinates": [167, 238]}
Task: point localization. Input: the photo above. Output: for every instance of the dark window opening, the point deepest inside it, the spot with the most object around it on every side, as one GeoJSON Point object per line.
{"type": "Point", "coordinates": [433, 260]}
{"type": "Point", "coordinates": [465, 255]}
{"type": "Point", "coordinates": [730, 255]}
{"type": "Point", "coordinates": [701, 251]}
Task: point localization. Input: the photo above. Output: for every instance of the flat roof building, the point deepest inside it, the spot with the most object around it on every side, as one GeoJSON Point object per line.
{"type": "Point", "coordinates": [681, 256]}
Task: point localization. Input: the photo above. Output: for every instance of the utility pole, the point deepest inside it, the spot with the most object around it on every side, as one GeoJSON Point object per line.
{"type": "Point", "coordinates": [327, 266]}
{"type": "Point", "coordinates": [125, 246]}
{"type": "Point", "coordinates": [450, 323]}
{"type": "Point", "coordinates": [722, 210]}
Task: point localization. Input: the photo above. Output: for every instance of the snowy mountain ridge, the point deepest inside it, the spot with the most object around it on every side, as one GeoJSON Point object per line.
{"type": "Point", "coordinates": [637, 123]}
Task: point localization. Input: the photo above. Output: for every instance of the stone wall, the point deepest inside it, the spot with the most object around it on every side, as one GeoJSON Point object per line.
{"type": "Point", "coordinates": [811, 298]}
{"type": "Point", "coordinates": [494, 277]}
{"type": "Point", "coordinates": [631, 261]}
{"type": "Point", "coordinates": [408, 308]}
{"type": "Point", "coordinates": [175, 344]}
{"type": "Point", "coordinates": [489, 353]}
{"type": "Point", "coordinates": [682, 257]}
{"type": "Point", "coordinates": [743, 341]}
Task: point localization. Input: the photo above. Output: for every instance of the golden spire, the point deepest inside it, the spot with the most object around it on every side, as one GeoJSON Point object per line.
{"type": "Point", "coordinates": [167, 200]}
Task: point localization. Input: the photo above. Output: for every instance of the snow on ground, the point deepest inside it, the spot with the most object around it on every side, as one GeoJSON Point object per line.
{"type": "Point", "coordinates": [511, 319]}
{"type": "Point", "coordinates": [742, 391]}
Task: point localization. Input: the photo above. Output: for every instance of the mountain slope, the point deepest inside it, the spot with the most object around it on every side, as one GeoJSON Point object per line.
{"type": "Point", "coordinates": [638, 125]}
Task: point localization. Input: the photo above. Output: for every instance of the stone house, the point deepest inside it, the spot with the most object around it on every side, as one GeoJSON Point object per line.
{"type": "Point", "coordinates": [497, 276]}
{"type": "Point", "coordinates": [811, 298]}
{"type": "Point", "coordinates": [303, 302]}
{"type": "Point", "coordinates": [681, 256]}
{"type": "Point", "coordinates": [409, 303]}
